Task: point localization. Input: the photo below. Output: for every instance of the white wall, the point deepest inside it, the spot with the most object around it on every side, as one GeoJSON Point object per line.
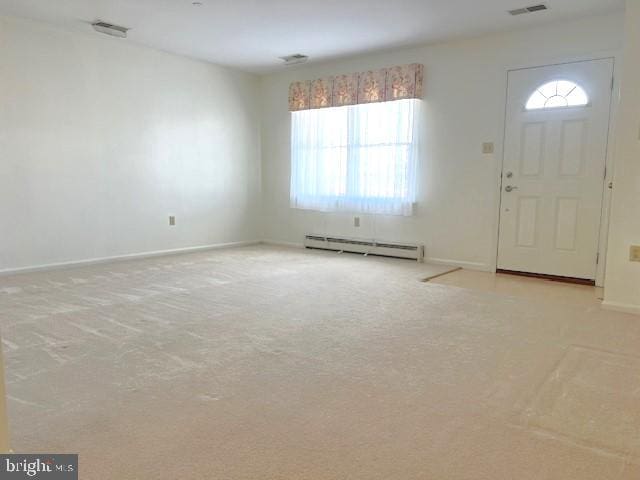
{"type": "Point", "coordinates": [4, 426]}
{"type": "Point", "coordinates": [101, 140]}
{"type": "Point", "coordinates": [465, 89]}
{"type": "Point", "coordinates": [622, 287]}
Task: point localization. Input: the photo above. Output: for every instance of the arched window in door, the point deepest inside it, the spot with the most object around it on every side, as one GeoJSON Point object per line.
{"type": "Point", "coordinates": [559, 93]}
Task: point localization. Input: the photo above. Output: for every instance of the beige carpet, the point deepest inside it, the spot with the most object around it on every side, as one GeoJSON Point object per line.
{"type": "Point", "coordinates": [272, 363]}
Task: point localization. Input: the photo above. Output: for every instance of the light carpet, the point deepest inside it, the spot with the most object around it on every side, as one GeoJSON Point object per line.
{"type": "Point", "coordinates": [274, 363]}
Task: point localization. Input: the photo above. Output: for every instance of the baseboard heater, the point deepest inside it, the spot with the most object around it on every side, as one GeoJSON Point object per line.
{"type": "Point", "coordinates": [367, 247]}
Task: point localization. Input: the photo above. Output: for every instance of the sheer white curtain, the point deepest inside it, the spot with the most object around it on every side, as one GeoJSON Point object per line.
{"type": "Point", "coordinates": [360, 158]}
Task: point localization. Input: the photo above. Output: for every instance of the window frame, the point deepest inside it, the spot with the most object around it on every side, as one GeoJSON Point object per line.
{"type": "Point", "coordinates": [350, 186]}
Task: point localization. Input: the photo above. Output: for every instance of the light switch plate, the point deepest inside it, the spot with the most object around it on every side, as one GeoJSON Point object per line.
{"type": "Point", "coordinates": [488, 148]}
{"type": "Point", "coordinates": [634, 253]}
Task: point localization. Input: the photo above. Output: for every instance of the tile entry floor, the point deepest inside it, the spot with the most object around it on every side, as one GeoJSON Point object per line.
{"type": "Point", "coordinates": [524, 287]}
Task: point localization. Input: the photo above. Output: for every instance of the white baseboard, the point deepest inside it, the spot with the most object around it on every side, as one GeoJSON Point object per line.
{"type": "Point", "coordinates": [282, 243]}
{"type": "Point", "coordinates": [120, 258]}
{"type": "Point", "coordinates": [621, 307]}
{"type": "Point", "coordinates": [482, 267]}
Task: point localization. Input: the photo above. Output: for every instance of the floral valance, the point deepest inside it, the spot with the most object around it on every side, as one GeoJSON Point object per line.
{"type": "Point", "coordinates": [395, 83]}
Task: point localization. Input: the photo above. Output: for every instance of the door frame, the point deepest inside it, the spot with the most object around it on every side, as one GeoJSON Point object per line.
{"type": "Point", "coordinates": [609, 157]}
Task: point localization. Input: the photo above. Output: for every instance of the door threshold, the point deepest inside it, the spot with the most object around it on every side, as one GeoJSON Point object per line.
{"type": "Point", "coordinates": [553, 278]}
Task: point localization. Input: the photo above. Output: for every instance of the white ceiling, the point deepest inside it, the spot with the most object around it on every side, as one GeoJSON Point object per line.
{"type": "Point", "coordinates": [252, 34]}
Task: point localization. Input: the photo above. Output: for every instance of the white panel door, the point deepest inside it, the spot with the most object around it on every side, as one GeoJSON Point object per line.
{"type": "Point", "coordinates": [553, 172]}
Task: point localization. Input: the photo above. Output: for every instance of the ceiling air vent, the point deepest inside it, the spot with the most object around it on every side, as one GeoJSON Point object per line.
{"type": "Point", "coordinates": [294, 59]}
{"type": "Point", "coordinates": [109, 29]}
{"type": "Point", "coordinates": [531, 9]}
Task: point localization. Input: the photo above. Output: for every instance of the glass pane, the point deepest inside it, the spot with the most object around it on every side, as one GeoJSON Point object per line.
{"type": "Point", "coordinates": [360, 156]}
{"type": "Point", "coordinates": [379, 149]}
{"type": "Point", "coordinates": [565, 87]}
{"type": "Point", "coordinates": [325, 127]}
{"type": "Point", "coordinates": [549, 89]}
{"type": "Point", "coordinates": [381, 171]}
{"type": "Point", "coordinates": [556, 101]}
{"type": "Point", "coordinates": [537, 100]}
{"type": "Point", "coordinates": [331, 173]}
{"type": "Point", "coordinates": [382, 123]}
{"type": "Point", "coordinates": [578, 97]}
{"type": "Point", "coordinates": [560, 93]}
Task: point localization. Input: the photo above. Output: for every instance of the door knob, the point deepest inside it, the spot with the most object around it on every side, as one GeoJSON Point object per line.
{"type": "Point", "coordinates": [510, 188]}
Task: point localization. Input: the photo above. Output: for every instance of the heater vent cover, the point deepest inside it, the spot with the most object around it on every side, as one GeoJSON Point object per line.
{"type": "Point", "coordinates": [365, 246]}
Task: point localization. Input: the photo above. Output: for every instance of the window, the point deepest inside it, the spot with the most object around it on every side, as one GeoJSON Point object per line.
{"type": "Point", "coordinates": [561, 93]}
{"type": "Point", "coordinates": [358, 158]}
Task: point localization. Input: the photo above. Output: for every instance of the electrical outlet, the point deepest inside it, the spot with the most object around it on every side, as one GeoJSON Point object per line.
{"type": "Point", "coordinates": [634, 253]}
{"type": "Point", "coordinates": [488, 148]}
{"type": "Point", "coordinates": [172, 220]}
{"type": "Point", "coordinates": [356, 221]}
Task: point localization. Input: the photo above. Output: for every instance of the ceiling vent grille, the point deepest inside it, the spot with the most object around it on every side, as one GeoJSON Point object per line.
{"type": "Point", "coordinates": [294, 59]}
{"type": "Point", "coordinates": [110, 29]}
{"type": "Point", "coordinates": [531, 9]}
